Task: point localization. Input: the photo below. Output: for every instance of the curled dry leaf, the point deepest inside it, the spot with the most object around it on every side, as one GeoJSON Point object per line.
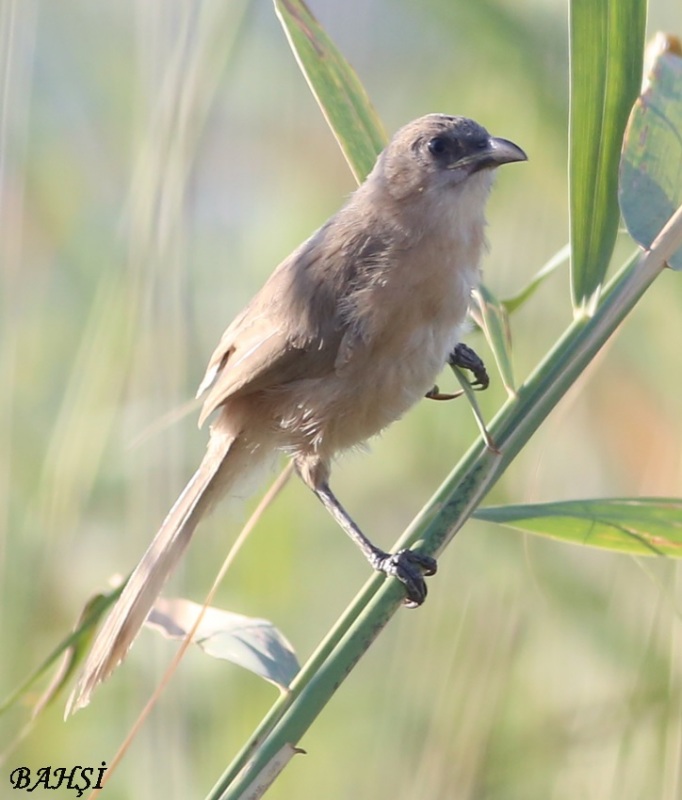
{"type": "Point", "coordinates": [252, 643]}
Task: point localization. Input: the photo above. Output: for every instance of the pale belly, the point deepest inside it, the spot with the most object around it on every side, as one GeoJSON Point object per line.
{"type": "Point", "coordinates": [342, 410]}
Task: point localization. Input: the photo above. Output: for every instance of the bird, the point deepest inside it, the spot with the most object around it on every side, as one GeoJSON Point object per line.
{"type": "Point", "coordinates": [344, 337]}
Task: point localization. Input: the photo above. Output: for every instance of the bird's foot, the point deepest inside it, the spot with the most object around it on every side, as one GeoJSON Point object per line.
{"type": "Point", "coordinates": [466, 358]}
{"type": "Point", "coordinates": [409, 567]}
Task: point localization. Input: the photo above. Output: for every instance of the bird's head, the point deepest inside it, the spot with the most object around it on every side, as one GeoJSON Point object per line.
{"type": "Point", "coordinates": [438, 152]}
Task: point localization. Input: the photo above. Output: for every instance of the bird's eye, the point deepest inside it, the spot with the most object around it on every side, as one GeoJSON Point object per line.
{"type": "Point", "coordinates": [437, 146]}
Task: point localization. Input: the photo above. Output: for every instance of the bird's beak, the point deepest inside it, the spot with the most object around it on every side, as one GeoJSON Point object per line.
{"type": "Point", "coordinates": [502, 151]}
{"type": "Point", "coordinates": [498, 152]}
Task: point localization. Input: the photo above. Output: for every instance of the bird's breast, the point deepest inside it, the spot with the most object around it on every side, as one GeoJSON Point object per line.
{"type": "Point", "coordinates": [401, 327]}
{"type": "Point", "coordinates": [393, 359]}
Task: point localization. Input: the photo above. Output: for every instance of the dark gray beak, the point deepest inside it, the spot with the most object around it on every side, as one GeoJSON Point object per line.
{"type": "Point", "coordinates": [497, 152]}
{"type": "Point", "coordinates": [502, 151]}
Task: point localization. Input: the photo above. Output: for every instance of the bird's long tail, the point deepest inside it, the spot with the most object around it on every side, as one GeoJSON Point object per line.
{"type": "Point", "coordinates": [227, 459]}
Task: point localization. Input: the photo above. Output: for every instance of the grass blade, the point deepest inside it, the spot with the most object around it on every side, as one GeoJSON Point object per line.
{"type": "Point", "coordinates": [515, 302]}
{"type": "Point", "coordinates": [642, 526]}
{"type": "Point", "coordinates": [493, 318]}
{"type": "Point", "coordinates": [606, 47]}
{"type": "Point", "coordinates": [333, 82]}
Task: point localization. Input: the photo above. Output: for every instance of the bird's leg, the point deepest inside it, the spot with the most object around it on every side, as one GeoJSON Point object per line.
{"type": "Point", "coordinates": [465, 358]}
{"type": "Point", "coordinates": [408, 566]}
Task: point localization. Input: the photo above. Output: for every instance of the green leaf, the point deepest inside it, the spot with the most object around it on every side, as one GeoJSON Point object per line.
{"type": "Point", "coordinates": [252, 643]}
{"type": "Point", "coordinates": [606, 47]}
{"type": "Point", "coordinates": [651, 167]}
{"type": "Point", "coordinates": [558, 259]}
{"type": "Point", "coordinates": [339, 93]}
{"type": "Point", "coordinates": [491, 315]}
{"type": "Point", "coordinates": [69, 653]}
{"type": "Point", "coordinates": [642, 526]}
{"type": "Point", "coordinates": [470, 394]}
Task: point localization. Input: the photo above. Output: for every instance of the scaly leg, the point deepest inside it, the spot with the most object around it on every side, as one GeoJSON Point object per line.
{"type": "Point", "coordinates": [408, 566]}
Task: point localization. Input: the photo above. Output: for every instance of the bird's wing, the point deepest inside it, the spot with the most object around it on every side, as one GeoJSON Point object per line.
{"type": "Point", "coordinates": [264, 356]}
{"type": "Point", "coordinates": [288, 331]}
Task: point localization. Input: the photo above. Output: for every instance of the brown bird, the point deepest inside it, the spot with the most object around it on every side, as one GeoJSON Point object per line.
{"type": "Point", "coordinates": [347, 333]}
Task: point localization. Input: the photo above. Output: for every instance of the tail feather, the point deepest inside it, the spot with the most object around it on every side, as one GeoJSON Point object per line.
{"type": "Point", "coordinates": [218, 470]}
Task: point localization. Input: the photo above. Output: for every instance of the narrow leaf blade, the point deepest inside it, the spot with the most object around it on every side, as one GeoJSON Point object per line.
{"type": "Point", "coordinates": [606, 46]}
{"type": "Point", "coordinates": [68, 654]}
{"type": "Point", "coordinates": [491, 315]}
{"type": "Point", "coordinates": [642, 526]}
{"type": "Point", "coordinates": [336, 87]}
{"type": "Point", "coordinates": [511, 304]}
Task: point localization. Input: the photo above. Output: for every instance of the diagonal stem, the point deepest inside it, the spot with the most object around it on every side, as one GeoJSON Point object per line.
{"type": "Point", "coordinates": [291, 716]}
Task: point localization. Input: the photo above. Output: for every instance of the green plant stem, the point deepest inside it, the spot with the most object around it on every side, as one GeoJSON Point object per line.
{"type": "Point", "coordinates": [442, 517]}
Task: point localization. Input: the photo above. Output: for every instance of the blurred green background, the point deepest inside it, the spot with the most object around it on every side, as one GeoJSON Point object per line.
{"type": "Point", "coordinates": [157, 160]}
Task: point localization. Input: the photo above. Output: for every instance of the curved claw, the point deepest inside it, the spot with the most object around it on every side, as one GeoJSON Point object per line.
{"type": "Point", "coordinates": [436, 394]}
{"type": "Point", "coordinates": [409, 567]}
